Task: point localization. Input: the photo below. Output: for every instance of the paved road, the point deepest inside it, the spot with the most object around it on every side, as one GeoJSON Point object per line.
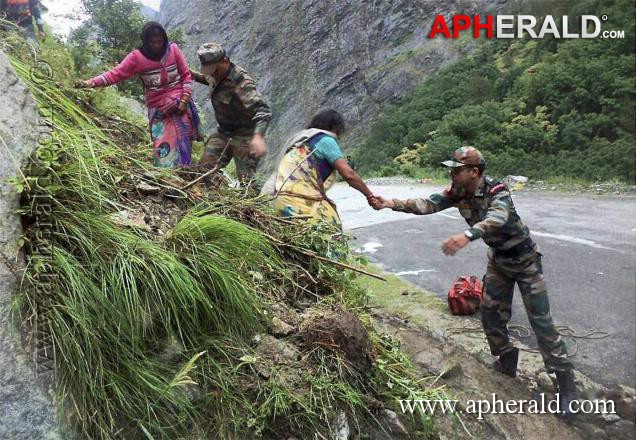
{"type": "Point", "coordinates": [589, 247]}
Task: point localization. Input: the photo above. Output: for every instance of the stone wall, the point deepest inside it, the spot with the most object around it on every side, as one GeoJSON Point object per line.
{"type": "Point", "coordinates": [26, 409]}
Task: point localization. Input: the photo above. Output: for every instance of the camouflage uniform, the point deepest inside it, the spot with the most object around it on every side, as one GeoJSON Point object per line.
{"type": "Point", "coordinates": [513, 257]}
{"type": "Point", "coordinates": [240, 112]}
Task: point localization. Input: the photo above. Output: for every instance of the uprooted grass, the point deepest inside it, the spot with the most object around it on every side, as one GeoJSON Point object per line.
{"type": "Point", "coordinates": [150, 331]}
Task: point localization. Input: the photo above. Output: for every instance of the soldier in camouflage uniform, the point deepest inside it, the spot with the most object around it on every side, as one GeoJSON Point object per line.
{"type": "Point", "coordinates": [241, 113]}
{"type": "Point", "coordinates": [513, 257]}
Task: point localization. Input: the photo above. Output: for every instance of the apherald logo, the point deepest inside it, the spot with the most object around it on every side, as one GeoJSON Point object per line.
{"type": "Point", "coordinates": [517, 26]}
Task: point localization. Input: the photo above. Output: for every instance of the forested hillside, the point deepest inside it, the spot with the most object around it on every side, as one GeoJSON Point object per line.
{"type": "Point", "coordinates": [538, 107]}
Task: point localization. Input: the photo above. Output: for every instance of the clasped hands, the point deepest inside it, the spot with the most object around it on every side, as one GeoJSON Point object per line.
{"type": "Point", "coordinates": [450, 246]}
{"type": "Point", "coordinates": [378, 202]}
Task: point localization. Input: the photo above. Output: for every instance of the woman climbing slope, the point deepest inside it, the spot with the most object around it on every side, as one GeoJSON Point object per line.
{"type": "Point", "coordinates": [173, 118]}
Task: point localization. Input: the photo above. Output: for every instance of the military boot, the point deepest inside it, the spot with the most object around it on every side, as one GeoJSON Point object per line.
{"type": "Point", "coordinates": [507, 362]}
{"type": "Point", "coordinates": [567, 393]}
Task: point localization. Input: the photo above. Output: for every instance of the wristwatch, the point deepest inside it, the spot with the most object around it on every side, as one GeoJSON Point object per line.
{"type": "Point", "coordinates": [469, 234]}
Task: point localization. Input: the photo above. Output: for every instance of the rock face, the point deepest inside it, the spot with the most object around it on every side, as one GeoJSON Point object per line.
{"type": "Point", "coordinates": [353, 56]}
{"type": "Point", "coordinates": [26, 411]}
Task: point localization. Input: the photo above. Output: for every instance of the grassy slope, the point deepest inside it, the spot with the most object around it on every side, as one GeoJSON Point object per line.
{"type": "Point", "coordinates": [150, 306]}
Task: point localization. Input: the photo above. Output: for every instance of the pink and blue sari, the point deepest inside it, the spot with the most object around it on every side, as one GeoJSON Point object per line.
{"type": "Point", "coordinates": [166, 81]}
{"type": "Point", "coordinates": [173, 134]}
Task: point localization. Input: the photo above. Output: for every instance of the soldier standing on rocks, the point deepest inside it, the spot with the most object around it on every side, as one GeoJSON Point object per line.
{"type": "Point", "coordinates": [241, 113]}
{"type": "Point", "coordinates": [513, 257]}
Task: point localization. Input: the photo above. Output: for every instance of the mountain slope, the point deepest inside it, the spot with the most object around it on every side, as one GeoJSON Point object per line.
{"type": "Point", "coordinates": [311, 54]}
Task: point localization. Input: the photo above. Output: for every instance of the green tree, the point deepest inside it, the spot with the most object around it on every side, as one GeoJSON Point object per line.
{"type": "Point", "coordinates": [85, 51]}
{"type": "Point", "coordinates": [532, 132]}
{"type": "Point", "coordinates": [117, 24]}
{"type": "Point", "coordinates": [543, 108]}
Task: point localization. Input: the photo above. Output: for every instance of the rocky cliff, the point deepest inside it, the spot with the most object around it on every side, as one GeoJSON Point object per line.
{"type": "Point", "coordinates": [26, 408]}
{"type": "Point", "coordinates": [354, 56]}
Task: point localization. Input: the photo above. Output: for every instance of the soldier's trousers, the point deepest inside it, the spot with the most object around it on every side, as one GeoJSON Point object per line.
{"type": "Point", "coordinates": [499, 282]}
{"type": "Point", "coordinates": [216, 154]}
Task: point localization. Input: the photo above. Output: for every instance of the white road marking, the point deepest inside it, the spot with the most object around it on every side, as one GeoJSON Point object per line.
{"type": "Point", "coordinates": [571, 239]}
{"type": "Point", "coordinates": [415, 272]}
{"type": "Point", "coordinates": [369, 248]}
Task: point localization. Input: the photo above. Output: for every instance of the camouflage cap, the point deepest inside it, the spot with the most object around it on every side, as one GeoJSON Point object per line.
{"type": "Point", "coordinates": [210, 54]}
{"type": "Point", "coordinates": [465, 156]}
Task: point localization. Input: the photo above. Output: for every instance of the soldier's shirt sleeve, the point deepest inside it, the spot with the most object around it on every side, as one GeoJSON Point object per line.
{"type": "Point", "coordinates": [434, 203]}
{"type": "Point", "coordinates": [255, 104]}
{"type": "Point", "coordinates": [496, 217]}
{"type": "Point", "coordinates": [200, 78]}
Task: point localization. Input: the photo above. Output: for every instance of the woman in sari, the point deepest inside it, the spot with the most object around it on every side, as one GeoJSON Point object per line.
{"type": "Point", "coordinates": [173, 118]}
{"type": "Point", "coordinates": [308, 169]}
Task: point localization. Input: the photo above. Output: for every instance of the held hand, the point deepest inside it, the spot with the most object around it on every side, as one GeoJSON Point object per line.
{"type": "Point", "coordinates": [381, 203]}
{"type": "Point", "coordinates": [452, 244]}
{"type": "Point", "coordinates": [372, 201]}
{"type": "Point", "coordinates": [198, 76]}
{"type": "Point", "coordinates": [258, 147]}
{"type": "Point", "coordinates": [42, 35]}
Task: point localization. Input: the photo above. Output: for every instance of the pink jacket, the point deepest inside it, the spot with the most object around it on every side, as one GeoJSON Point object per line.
{"type": "Point", "coordinates": [165, 81]}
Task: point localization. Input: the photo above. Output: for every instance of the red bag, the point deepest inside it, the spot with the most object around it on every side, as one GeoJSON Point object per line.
{"type": "Point", "coordinates": [465, 295]}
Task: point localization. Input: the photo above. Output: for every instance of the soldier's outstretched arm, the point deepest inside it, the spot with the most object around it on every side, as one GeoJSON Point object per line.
{"type": "Point", "coordinates": [496, 217]}
{"type": "Point", "coordinates": [430, 205]}
{"type": "Point", "coordinates": [199, 77]}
